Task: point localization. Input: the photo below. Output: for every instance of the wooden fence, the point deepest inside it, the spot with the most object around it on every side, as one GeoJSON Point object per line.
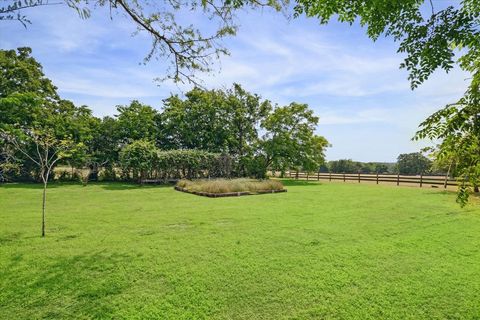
{"type": "Point", "coordinates": [397, 179]}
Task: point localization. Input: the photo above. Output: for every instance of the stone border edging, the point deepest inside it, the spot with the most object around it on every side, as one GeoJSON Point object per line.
{"type": "Point", "coordinates": [228, 194]}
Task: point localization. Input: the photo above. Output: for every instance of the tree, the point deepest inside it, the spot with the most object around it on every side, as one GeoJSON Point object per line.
{"type": "Point", "coordinates": [42, 148]}
{"type": "Point", "coordinates": [139, 157]}
{"type": "Point", "coordinates": [344, 166]}
{"type": "Point", "coordinates": [245, 114]}
{"type": "Point", "coordinates": [188, 48]}
{"type": "Point", "coordinates": [290, 140]}
{"type": "Point", "coordinates": [413, 164]}
{"type": "Point", "coordinates": [135, 122]}
{"type": "Point", "coordinates": [29, 100]}
{"type": "Point", "coordinates": [431, 38]}
{"type": "Point", "coordinates": [20, 73]}
{"type": "Point", "coordinates": [458, 127]}
{"type": "Point", "coordinates": [219, 121]}
{"type": "Point", "coordinates": [198, 122]}
{"type": "Point", "coordinates": [102, 148]}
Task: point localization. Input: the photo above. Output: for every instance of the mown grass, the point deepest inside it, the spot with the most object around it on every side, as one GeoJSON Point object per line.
{"type": "Point", "coordinates": [230, 185]}
{"type": "Point", "coordinates": [319, 251]}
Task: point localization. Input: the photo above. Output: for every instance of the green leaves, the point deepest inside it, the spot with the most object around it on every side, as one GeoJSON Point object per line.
{"type": "Point", "coordinates": [457, 126]}
{"type": "Point", "coordinates": [290, 140]}
{"type": "Point", "coordinates": [143, 158]}
{"type": "Point", "coordinates": [429, 38]}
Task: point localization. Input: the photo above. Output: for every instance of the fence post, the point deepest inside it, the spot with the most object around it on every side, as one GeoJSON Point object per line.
{"type": "Point", "coordinates": [344, 177]}
{"type": "Point", "coordinates": [398, 179]}
{"type": "Point", "coordinates": [446, 181]}
{"type": "Point", "coordinates": [421, 179]}
{"type": "Point", "coordinates": [358, 176]}
{"type": "Point", "coordinates": [377, 177]}
{"type": "Point", "coordinates": [307, 176]}
{"type": "Point", "coordinates": [318, 176]}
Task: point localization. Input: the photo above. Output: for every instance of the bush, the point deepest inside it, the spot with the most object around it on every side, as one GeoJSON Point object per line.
{"type": "Point", "coordinates": [139, 158]}
{"type": "Point", "coordinates": [227, 185]}
{"type": "Point", "coordinates": [67, 176]}
{"type": "Point", "coordinates": [108, 174]}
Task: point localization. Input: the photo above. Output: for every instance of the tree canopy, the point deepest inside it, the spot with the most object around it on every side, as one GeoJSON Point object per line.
{"type": "Point", "coordinates": [244, 130]}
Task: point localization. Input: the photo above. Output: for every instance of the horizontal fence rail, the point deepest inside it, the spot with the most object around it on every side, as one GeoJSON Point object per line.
{"type": "Point", "coordinates": [376, 178]}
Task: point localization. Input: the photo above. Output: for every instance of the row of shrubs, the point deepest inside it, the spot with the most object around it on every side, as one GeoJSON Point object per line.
{"type": "Point", "coordinates": [141, 160]}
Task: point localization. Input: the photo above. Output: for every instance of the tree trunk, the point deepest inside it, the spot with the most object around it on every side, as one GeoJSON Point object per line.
{"type": "Point", "coordinates": [93, 175]}
{"type": "Point", "coordinates": [44, 202]}
{"type": "Point", "coordinates": [475, 189]}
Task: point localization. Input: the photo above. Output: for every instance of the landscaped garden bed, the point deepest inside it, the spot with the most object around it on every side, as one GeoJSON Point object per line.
{"type": "Point", "coordinates": [217, 188]}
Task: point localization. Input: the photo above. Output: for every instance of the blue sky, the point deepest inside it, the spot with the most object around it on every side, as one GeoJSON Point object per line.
{"type": "Point", "coordinates": [366, 108]}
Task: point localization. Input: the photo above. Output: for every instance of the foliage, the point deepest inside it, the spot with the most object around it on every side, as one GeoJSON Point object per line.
{"type": "Point", "coordinates": [230, 185]}
{"type": "Point", "coordinates": [116, 250]}
{"type": "Point", "coordinates": [20, 73]}
{"type": "Point", "coordinates": [290, 140]}
{"type": "Point", "coordinates": [413, 164]}
{"type": "Point", "coordinates": [198, 122]}
{"type": "Point", "coordinates": [136, 121]}
{"type": "Point", "coordinates": [192, 164]}
{"type": "Point", "coordinates": [458, 127]}
{"type": "Point", "coordinates": [208, 133]}
{"type": "Point", "coordinates": [139, 157]}
{"type": "Point", "coordinates": [188, 47]}
{"type": "Point", "coordinates": [430, 38]}
{"type": "Point", "coordinates": [216, 121]}
{"type": "Point", "coordinates": [142, 160]}
{"type": "Point", "coordinates": [344, 166]}
{"type": "Point", "coordinates": [40, 146]}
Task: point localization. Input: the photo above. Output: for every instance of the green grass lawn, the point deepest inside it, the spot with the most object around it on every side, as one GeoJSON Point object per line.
{"type": "Point", "coordinates": [319, 251]}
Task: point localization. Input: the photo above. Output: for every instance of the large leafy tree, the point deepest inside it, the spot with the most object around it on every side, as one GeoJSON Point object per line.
{"type": "Point", "coordinates": [222, 121]}
{"type": "Point", "coordinates": [413, 164]}
{"type": "Point", "coordinates": [198, 122]}
{"type": "Point", "coordinates": [246, 111]}
{"type": "Point", "coordinates": [37, 128]}
{"type": "Point", "coordinates": [290, 140]}
{"type": "Point", "coordinates": [136, 121]}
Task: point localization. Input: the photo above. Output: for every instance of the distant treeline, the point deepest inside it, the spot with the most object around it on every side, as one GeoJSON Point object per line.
{"type": "Point", "coordinates": [407, 164]}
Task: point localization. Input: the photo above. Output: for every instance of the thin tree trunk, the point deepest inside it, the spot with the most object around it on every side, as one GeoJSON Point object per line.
{"type": "Point", "coordinates": [44, 202]}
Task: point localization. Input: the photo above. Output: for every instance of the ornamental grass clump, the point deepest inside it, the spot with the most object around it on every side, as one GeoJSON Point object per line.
{"type": "Point", "coordinates": [230, 185]}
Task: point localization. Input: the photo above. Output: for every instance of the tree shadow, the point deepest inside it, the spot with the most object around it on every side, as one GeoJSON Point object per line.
{"type": "Point", "coordinates": [10, 237]}
{"type": "Point", "coordinates": [129, 186]}
{"type": "Point", "coordinates": [104, 185]}
{"type": "Point", "coordinates": [63, 287]}
{"type": "Point", "coordinates": [32, 185]}
{"type": "Point", "coordinates": [303, 183]}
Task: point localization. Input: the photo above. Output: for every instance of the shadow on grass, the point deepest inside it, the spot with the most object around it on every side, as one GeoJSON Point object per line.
{"type": "Point", "coordinates": [130, 186]}
{"type": "Point", "coordinates": [10, 237]}
{"type": "Point", "coordinates": [84, 283]}
{"type": "Point", "coordinates": [103, 185]}
{"type": "Point", "coordinates": [291, 182]}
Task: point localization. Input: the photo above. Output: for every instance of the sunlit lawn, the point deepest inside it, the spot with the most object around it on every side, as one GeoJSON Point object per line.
{"type": "Point", "coordinates": [335, 251]}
